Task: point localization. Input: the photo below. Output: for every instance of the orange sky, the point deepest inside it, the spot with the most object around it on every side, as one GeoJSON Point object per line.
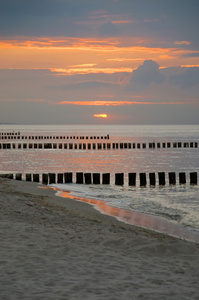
{"type": "Point", "coordinates": [82, 56]}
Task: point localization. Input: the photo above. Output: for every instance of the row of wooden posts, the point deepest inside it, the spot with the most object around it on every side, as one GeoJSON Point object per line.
{"type": "Point", "coordinates": [40, 137]}
{"type": "Point", "coordinates": [104, 178]}
{"type": "Point", "coordinates": [98, 146]}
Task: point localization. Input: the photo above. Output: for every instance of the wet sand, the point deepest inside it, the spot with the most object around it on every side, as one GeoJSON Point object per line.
{"type": "Point", "coordinates": [56, 248]}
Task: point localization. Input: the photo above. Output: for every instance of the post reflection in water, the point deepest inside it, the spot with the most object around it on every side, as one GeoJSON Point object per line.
{"type": "Point", "coordinates": [154, 223]}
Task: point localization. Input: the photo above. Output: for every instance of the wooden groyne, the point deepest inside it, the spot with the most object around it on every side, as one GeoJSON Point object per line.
{"type": "Point", "coordinates": [95, 146]}
{"type": "Point", "coordinates": [144, 179]}
{"type": "Point", "coordinates": [18, 136]}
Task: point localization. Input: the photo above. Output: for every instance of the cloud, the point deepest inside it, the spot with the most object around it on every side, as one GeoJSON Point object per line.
{"type": "Point", "coordinates": [187, 79]}
{"type": "Point", "coordinates": [146, 74]}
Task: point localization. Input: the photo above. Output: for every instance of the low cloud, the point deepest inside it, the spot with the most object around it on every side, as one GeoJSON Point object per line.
{"type": "Point", "coordinates": [146, 74]}
{"type": "Point", "coordinates": [187, 79]}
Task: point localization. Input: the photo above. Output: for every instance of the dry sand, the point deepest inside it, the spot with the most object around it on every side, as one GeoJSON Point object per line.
{"type": "Point", "coordinates": [55, 248]}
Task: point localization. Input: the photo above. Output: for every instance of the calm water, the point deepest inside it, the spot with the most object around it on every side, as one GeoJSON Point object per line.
{"type": "Point", "coordinates": [175, 204]}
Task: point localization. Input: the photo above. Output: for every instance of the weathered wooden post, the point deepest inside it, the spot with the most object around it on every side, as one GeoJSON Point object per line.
{"type": "Point", "coordinates": [87, 178]}
{"type": "Point", "coordinates": [182, 178]}
{"type": "Point", "coordinates": [18, 176]}
{"type": "Point", "coordinates": [106, 178]}
{"type": "Point", "coordinates": [96, 178]}
{"type": "Point", "coordinates": [68, 177]}
{"type": "Point", "coordinates": [60, 178]}
{"type": "Point", "coordinates": [152, 179]}
{"type": "Point", "coordinates": [45, 179]}
{"type": "Point", "coordinates": [142, 179]}
{"type": "Point", "coordinates": [172, 178]}
{"type": "Point", "coordinates": [52, 178]}
{"type": "Point", "coordinates": [161, 176]}
{"type": "Point", "coordinates": [79, 177]}
{"type": "Point", "coordinates": [28, 177]}
{"type": "Point", "coordinates": [35, 177]}
{"type": "Point", "coordinates": [132, 179]}
{"type": "Point", "coordinates": [143, 145]}
{"type": "Point", "coordinates": [119, 178]}
{"type": "Point", "coordinates": [193, 178]}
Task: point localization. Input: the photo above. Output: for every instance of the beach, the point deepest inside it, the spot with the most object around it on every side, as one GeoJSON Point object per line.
{"type": "Point", "coordinates": [56, 248]}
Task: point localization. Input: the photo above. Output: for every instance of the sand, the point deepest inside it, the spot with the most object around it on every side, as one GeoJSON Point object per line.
{"type": "Point", "coordinates": [55, 248]}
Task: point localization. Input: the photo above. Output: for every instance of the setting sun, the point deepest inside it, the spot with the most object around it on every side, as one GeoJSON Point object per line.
{"type": "Point", "coordinates": [100, 116]}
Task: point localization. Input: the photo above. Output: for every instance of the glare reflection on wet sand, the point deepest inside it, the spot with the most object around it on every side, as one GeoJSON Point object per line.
{"type": "Point", "coordinates": [154, 223]}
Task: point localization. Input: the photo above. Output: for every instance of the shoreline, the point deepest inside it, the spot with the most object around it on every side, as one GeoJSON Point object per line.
{"type": "Point", "coordinates": [152, 223]}
{"type": "Point", "coordinates": [57, 248]}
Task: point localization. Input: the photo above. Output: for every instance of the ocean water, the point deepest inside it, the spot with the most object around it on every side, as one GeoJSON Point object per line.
{"type": "Point", "coordinates": [175, 205]}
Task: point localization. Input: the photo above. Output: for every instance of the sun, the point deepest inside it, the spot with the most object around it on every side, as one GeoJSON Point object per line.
{"type": "Point", "coordinates": [101, 116]}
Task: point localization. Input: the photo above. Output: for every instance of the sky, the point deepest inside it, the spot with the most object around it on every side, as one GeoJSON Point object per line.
{"type": "Point", "coordinates": [99, 62]}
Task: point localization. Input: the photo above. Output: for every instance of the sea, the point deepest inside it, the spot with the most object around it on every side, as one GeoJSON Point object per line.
{"type": "Point", "coordinates": [170, 209]}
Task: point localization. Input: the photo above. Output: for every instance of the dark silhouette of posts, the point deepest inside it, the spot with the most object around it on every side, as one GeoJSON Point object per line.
{"type": "Point", "coordinates": [28, 177]}
{"type": "Point", "coordinates": [52, 178]}
{"type": "Point", "coordinates": [142, 179]}
{"type": "Point", "coordinates": [68, 177]}
{"type": "Point", "coordinates": [132, 179]}
{"type": "Point", "coordinates": [87, 178]}
{"type": "Point", "coordinates": [193, 178]}
{"type": "Point", "coordinates": [182, 178]}
{"type": "Point", "coordinates": [79, 177]}
{"type": "Point", "coordinates": [45, 179]}
{"type": "Point", "coordinates": [106, 178]}
{"type": "Point", "coordinates": [119, 178]}
{"type": "Point", "coordinates": [35, 177]}
{"type": "Point", "coordinates": [172, 178]}
{"type": "Point", "coordinates": [60, 178]}
{"type": "Point", "coordinates": [96, 178]}
{"type": "Point", "coordinates": [18, 176]}
{"type": "Point", "coordinates": [161, 176]}
{"type": "Point", "coordinates": [152, 179]}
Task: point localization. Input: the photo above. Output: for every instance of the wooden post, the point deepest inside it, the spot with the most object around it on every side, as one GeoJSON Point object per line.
{"type": "Point", "coordinates": [132, 179]}
{"type": "Point", "coordinates": [87, 178]}
{"type": "Point", "coordinates": [52, 178]}
{"type": "Point", "coordinates": [152, 179]}
{"type": "Point", "coordinates": [96, 178]}
{"type": "Point", "coordinates": [18, 176]}
{"type": "Point", "coordinates": [193, 178]}
{"type": "Point", "coordinates": [28, 177]}
{"type": "Point", "coordinates": [45, 179]}
{"type": "Point", "coordinates": [168, 145]}
{"type": "Point", "coordinates": [35, 177]}
{"type": "Point", "coordinates": [60, 178]}
{"type": "Point", "coordinates": [119, 178]}
{"type": "Point", "coordinates": [79, 177]}
{"type": "Point", "coordinates": [172, 178]}
{"type": "Point", "coordinates": [142, 179]}
{"type": "Point", "coordinates": [68, 177]}
{"type": "Point", "coordinates": [161, 176]}
{"type": "Point", "coordinates": [106, 178]}
{"type": "Point", "coordinates": [179, 144]}
{"type": "Point", "coordinates": [182, 178]}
